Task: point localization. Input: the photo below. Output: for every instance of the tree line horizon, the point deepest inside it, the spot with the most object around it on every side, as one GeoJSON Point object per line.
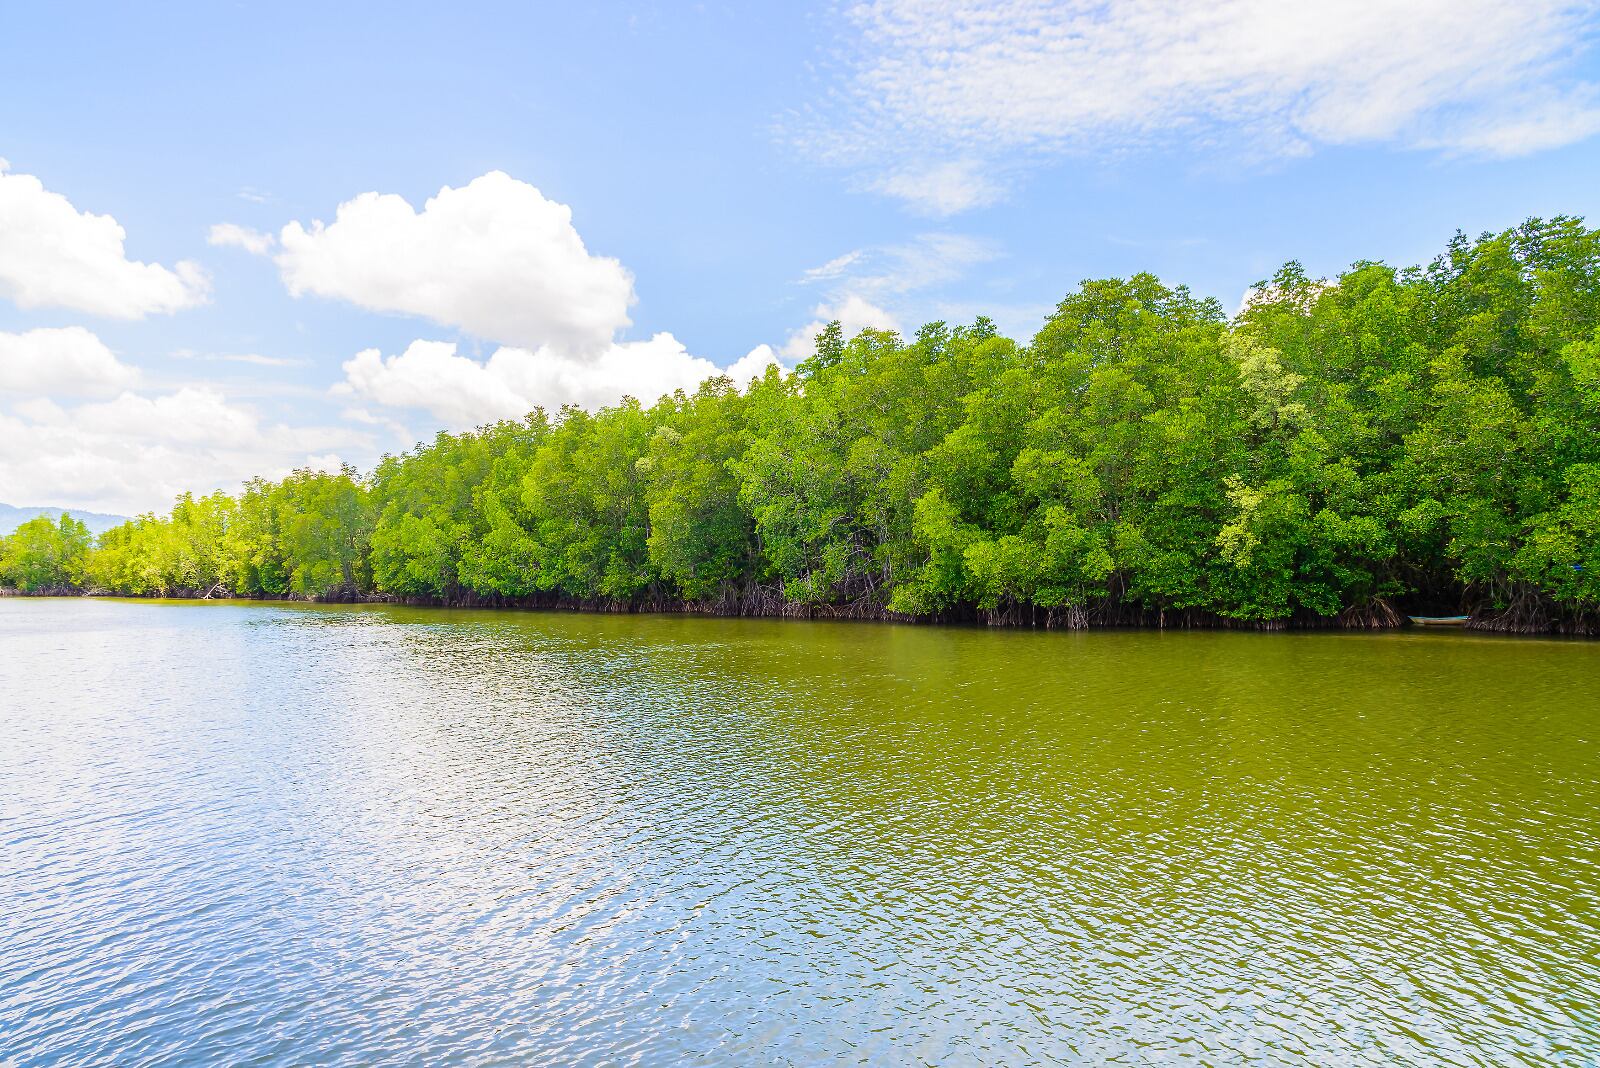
{"type": "Point", "coordinates": [1340, 453]}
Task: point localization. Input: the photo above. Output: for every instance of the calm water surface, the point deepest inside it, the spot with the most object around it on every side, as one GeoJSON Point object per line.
{"type": "Point", "coordinates": [268, 834]}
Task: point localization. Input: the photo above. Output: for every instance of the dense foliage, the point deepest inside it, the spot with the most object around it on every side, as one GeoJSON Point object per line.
{"type": "Point", "coordinates": [45, 555]}
{"type": "Point", "coordinates": [1420, 439]}
{"type": "Point", "coordinates": [306, 536]}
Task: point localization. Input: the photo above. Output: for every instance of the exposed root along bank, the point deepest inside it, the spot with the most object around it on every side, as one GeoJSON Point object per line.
{"type": "Point", "coordinates": [769, 605]}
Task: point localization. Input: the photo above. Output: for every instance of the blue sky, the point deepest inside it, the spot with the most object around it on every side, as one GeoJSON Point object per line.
{"type": "Point", "coordinates": [734, 174]}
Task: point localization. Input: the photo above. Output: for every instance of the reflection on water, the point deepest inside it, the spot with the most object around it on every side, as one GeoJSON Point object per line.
{"type": "Point", "coordinates": [303, 835]}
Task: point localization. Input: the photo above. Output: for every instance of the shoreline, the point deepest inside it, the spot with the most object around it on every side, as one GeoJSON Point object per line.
{"type": "Point", "coordinates": [1016, 618]}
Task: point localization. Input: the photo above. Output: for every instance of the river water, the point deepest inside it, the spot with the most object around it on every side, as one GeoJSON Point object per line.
{"type": "Point", "coordinates": [293, 835]}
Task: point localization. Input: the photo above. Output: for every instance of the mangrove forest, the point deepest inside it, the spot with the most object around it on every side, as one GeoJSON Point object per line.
{"type": "Point", "coordinates": [1341, 452]}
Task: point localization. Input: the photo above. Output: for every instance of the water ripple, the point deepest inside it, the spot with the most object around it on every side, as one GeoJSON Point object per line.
{"type": "Point", "coordinates": [271, 834]}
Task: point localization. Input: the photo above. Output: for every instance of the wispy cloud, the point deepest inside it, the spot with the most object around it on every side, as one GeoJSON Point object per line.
{"type": "Point", "coordinates": [943, 97]}
{"type": "Point", "coordinates": [870, 287]}
{"type": "Point", "coordinates": [942, 189]}
{"type": "Point", "coordinates": [834, 268]}
{"type": "Point", "coordinates": [252, 358]}
{"type": "Point", "coordinates": [885, 271]}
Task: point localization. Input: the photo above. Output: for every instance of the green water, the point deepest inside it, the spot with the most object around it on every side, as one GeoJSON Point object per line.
{"type": "Point", "coordinates": [289, 835]}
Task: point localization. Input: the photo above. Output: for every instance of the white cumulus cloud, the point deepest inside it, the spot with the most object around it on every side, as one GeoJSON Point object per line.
{"type": "Point", "coordinates": [232, 235]}
{"type": "Point", "coordinates": [136, 452]}
{"type": "Point", "coordinates": [854, 312]}
{"type": "Point", "coordinates": [432, 377]}
{"type": "Point", "coordinates": [54, 256]}
{"type": "Point", "coordinates": [752, 365]}
{"type": "Point", "coordinates": [429, 376]}
{"type": "Point", "coordinates": [494, 258]}
{"type": "Point", "coordinates": [65, 361]}
{"type": "Point", "coordinates": [943, 94]}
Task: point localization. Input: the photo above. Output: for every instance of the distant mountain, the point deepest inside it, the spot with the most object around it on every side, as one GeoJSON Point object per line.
{"type": "Point", "coordinates": [12, 517]}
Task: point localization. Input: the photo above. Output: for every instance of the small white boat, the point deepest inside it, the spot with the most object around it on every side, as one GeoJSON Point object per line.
{"type": "Point", "coordinates": [1439, 621]}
